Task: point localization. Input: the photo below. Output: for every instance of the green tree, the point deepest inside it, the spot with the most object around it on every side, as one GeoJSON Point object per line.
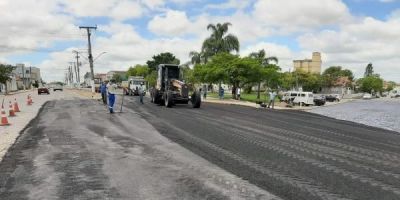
{"type": "Point", "coordinates": [287, 80]}
{"type": "Point", "coordinates": [187, 74]}
{"type": "Point", "coordinates": [308, 81]}
{"type": "Point", "coordinates": [333, 73]}
{"type": "Point", "coordinates": [162, 58]}
{"type": "Point", "coordinates": [151, 78]}
{"type": "Point", "coordinates": [231, 69]}
{"type": "Point", "coordinates": [219, 41]}
{"type": "Point", "coordinates": [215, 70]}
{"type": "Point", "coordinates": [35, 84]}
{"type": "Point", "coordinates": [260, 56]}
{"type": "Point", "coordinates": [197, 57]}
{"type": "Point", "coordinates": [371, 84]}
{"type": "Point", "coordinates": [369, 70]}
{"type": "Point", "coordinates": [119, 77]}
{"type": "Point", "coordinates": [138, 70]}
{"type": "Point", "coordinates": [5, 74]}
{"type": "Point", "coordinates": [390, 85]}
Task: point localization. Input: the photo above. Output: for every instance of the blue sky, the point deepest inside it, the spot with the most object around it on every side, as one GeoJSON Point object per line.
{"type": "Point", "coordinates": [349, 33]}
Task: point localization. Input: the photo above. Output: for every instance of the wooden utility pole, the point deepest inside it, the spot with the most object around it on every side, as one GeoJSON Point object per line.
{"type": "Point", "coordinates": [88, 29]}
{"type": "Point", "coordinates": [78, 65]}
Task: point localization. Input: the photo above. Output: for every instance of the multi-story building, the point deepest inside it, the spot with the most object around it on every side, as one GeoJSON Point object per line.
{"type": "Point", "coordinates": [309, 65]}
{"type": "Point", "coordinates": [26, 76]}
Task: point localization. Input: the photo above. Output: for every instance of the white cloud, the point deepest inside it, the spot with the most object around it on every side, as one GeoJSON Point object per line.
{"type": "Point", "coordinates": [237, 4]}
{"type": "Point", "coordinates": [289, 15]}
{"type": "Point", "coordinates": [174, 23]}
{"type": "Point", "coordinates": [30, 24]}
{"type": "Point", "coordinates": [387, 1]}
{"type": "Point", "coordinates": [124, 48]}
{"type": "Point", "coordinates": [358, 43]}
{"type": "Point", "coordinates": [116, 9]}
{"type": "Point", "coordinates": [152, 4]}
{"type": "Point", "coordinates": [126, 10]}
{"type": "Point", "coordinates": [284, 54]}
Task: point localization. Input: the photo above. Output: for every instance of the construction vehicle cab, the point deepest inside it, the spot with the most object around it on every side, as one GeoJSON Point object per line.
{"type": "Point", "coordinates": [170, 90]}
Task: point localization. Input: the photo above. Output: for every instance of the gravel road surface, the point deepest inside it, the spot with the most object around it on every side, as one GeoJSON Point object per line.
{"type": "Point", "coordinates": [74, 149]}
{"type": "Point", "coordinates": [293, 154]}
{"type": "Point", "coordinates": [382, 112]}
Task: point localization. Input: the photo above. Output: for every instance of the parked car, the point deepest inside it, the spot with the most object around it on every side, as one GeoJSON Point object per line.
{"type": "Point", "coordinates": [394, 93]}
{"type": "Point", "coordinates": [58, 87]}
{"type": "Point", "coordinates": [319, 100]}
{"type": "Point", "coordinates": [367, 96]}
{"type": "Point", "coordinates": [43, 90]}
{"type": "Point", "coordinates": [332, 97]}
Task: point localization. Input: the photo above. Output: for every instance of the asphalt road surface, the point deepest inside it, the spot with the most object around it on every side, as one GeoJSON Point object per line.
{"type": "Point", "coordinates": [294, 155]}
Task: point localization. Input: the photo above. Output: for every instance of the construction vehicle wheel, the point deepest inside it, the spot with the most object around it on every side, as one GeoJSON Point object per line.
{"type": "Point", "coordinates": [196, 100]}
{"type": "Point", "coordinates": [168, 100]}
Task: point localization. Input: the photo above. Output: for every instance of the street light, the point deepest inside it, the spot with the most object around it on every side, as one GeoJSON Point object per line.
{"type": "Point", "coordinates": [102, 53]}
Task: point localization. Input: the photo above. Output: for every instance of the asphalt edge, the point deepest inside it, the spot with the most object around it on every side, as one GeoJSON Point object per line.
{"type": "Point", "coordinates": [35, 118]}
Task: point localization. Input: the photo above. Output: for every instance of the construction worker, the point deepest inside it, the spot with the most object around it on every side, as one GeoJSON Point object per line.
{"type": "Point", "coordinates": [141, 92]}
{"type": "Point", "coordinates": [272, 95]}
{"type": "Point", "coordinates": [103, 91]}
{"type": "Point", "coordinates": [111, 88]}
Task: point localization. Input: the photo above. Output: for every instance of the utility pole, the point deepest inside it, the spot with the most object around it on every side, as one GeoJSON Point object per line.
{"type": "Point", "coordinates": [71, 75]}
{"type": "Point", "coordinates": [30, 77]}
{"type": "Point", "coordinates": [77, 64]}
{"type": "Point", "coordinates": [88, 29]}
{"type": "Point", "coordinates": [73, 71]}
{"type": "Point", "coordinates": [76, 73]}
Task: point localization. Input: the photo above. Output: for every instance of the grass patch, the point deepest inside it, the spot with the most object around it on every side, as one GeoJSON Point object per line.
{"type": "Point", "coordinates": [252, 97]}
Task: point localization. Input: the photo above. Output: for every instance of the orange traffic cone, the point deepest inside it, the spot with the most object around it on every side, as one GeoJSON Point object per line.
{"type": "Point", "coordinates": [30, 98]}
{"type": "Point", "coordinates": [11, 111]}
{"type": "Point", "coordinates": [28, 101]}
{"type": "Point", "coordinates": [4, 120]}
{"type": "Point", "coordinates": [16, 107]}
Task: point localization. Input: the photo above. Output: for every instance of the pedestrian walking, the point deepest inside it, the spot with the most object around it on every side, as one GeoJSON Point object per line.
{"type": "Point", "coordinates": [103, 91]}
{"type": "Point", "coordinates": [221, 93]}
{"type": "Point", "coordinates": [111, 88]}
{"type": "Point", "coordinates": [272, 95]}
{"type": "Point", "coordinates": [205, 92]}
{"type": "Point", "coordinates": [141, 93]}
{"type": "Point", "coordinates": [239, 90]}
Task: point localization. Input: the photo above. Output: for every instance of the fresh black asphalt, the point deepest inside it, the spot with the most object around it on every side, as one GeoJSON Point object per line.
{"type": "Point", "coordinates": [292, 154]}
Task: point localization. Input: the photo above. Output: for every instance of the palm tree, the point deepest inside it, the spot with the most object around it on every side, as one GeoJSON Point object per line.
{"type": "Point", "coordinates": [264, 61]}
{"type": "Point", "coordinates": [219, 41]}
{"type": "Point", "coordinates": [196, 57]}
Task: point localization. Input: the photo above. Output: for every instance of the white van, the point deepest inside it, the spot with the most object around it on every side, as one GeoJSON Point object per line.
{"type": "Point", "coordinates": [289, 96]}
{"type": "Point", "coordinates": [304, 98]}
{"type": "Point", "coordinates": [394, 93]}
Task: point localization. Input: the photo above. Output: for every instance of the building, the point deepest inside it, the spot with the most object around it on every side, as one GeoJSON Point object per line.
{"type": "Point", "coordinates": [309, 65]}
{"type": "Point", "coordinates": [11, 85]}
{"type": "Point", "coordinates": [88, 77]}
{"type": "Point", "coordinates": [111, 74]}
{"type": "Point", "coordinates": [26, 76]}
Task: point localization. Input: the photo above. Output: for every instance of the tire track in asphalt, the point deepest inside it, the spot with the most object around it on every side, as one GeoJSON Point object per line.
{"type": "Point", "coordinates": [287, 117]}
{"type": "Point", "coordinates": [351, 151]}
{"type": "Point", "coordinates": [328, 167]}
{"type": "Point", "coordinates": [283, 142]}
